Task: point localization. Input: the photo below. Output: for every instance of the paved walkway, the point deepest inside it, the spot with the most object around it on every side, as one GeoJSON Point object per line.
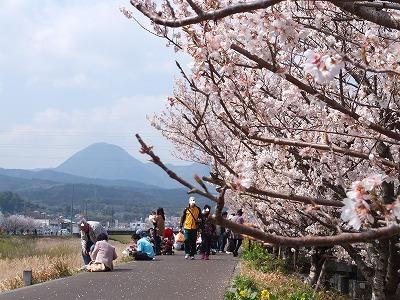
{"type": "Point", "coordinates": [167, 278]}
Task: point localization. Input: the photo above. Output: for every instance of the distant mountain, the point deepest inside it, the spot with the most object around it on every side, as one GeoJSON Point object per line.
{"type": "Point", "coordinates": [105, 179]}
{"type": "Point", "coordinates": [106, 161]}
{"type": "Point", "coordinates": [11, 203]}
{"type": "Point", "coordinates": [102, 202]}
{"type": "Point", "coordinates": [9, 183]}
{"type": "Point", "coordinates": [44, 175]}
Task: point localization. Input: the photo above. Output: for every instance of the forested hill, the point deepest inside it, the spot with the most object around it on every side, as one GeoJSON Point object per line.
{"type": "Point", "coordinates": [102, 201]}
{"type": "Point", "coordinates": [12, 203]}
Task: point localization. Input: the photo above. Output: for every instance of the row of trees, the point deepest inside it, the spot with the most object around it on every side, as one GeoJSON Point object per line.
{"type": "Point", "coordinates": [18, 224]}
{"type": "Point", "coordinates": [295, 105]}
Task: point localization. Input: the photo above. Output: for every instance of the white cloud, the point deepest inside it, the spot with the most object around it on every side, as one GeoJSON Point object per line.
{"type": "Point", "coordinates": [54, 135]}
{"type": "Point", "coordinates": [63, 63]}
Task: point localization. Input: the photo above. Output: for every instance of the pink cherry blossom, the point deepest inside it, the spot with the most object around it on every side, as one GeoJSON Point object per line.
{"type": "Point", "coordinates": [323, 68]}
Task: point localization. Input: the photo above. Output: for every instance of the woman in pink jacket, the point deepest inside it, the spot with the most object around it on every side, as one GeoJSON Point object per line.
{"type": "Point", "coordinates": [103, 252]}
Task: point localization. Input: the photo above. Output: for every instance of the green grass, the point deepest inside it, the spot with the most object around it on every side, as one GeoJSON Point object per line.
{"type": "Point", "coordinates": [244, 287]}
{"type": "Point", "coordinates": [25, 246]}
{"type": "Point", "coordinates": [125, 239]}
{"type": "Point", "coordinates": [259, 259]}
{"type": "Point", "coordinates": [16, 247]}
{"type": "Point", "coordinates": [262, 276]}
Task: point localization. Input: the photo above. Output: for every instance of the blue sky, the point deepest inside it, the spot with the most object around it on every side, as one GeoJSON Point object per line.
{"type": "Point", "coordinates": [77, 72]}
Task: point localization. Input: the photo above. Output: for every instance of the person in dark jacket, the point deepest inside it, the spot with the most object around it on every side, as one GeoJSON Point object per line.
{"type": "Point", "coordinates": [222, 236]}
{"type": "Point", "coordinates": [237, 237]}
{"type": "Point", "coordinates": [207, 233]}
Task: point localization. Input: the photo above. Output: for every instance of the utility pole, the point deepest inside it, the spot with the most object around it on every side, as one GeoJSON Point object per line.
{"type": "Point", "coordinates": [72, 204]}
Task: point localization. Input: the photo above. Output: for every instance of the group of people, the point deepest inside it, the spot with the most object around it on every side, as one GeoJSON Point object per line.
{"type": "Point", "coordinates": [97, 253]}
{"type": "Point", "coordinates": [197, 226]}
{"type": "Point", "coordinates": [196, 234]}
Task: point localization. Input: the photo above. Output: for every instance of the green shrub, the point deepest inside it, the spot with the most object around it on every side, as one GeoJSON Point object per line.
{"type": "Point", "coordinates": [308, 295]}
{"type": "Point", "coordinates": [258, 258]}
{"type": "Point", "coordinates": [246, 288]}
{"type": "Point", "coordinates": [243, 288]}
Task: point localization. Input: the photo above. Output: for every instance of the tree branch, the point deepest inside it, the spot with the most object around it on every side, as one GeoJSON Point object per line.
{"type": "Point", "coordinates": [306, 241]}
{"type": "Point", "coordinates": [379, 17]}
{"type": "Point", "coordinates": [156, 160]}
{"type": "Point", "coordinates": [370, 235]}
{"type": "Point", "coordinates": [205, 16]}
{"type": "Point", "coordinates": [300, 144]}
{"type": "Point", "coordinates": [305, 87]}
{"type": "Point", "coordinates": [290, 197]}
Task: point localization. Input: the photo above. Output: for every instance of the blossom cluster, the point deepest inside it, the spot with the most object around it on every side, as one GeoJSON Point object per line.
{"type": "Point", "coordinates": [363, 194]}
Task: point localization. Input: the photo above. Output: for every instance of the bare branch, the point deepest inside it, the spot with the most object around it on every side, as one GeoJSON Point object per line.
{"type": "Point", "coordinates": [290, 197]}
{"type": "Point", "coordinates": [155, 159]}
{"type": "Point", "coordinates": [195, 7]}
{"type": "Point", "coordinates": [378, 5]}
{"type": "Point", "coordinates": [371, 14]}
{"type": "Point", "coordinates": [342, 238]}
{"type": "Point", "coordinates": [210, 15]}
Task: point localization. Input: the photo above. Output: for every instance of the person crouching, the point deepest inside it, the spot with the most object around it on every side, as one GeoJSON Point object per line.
{"type": "Point", "coordinates": [144, 249]}
{"type": "Point", "coordinates": [103, 255]}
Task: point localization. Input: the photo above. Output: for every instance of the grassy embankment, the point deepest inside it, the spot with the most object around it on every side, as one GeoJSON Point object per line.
{"type": "Point", "coordinates": [48, 258]}
{"type": "Point", "coordinates": [263, 277]}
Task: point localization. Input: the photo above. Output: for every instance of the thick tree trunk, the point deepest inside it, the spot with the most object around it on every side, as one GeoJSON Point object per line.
{"type": "Point", "coordinates": [275, 251]}
{"type": "Point", "coordinates": [378, 282]}
{"type": "Point", "coordinates": [321, 276]}
{"type": "Point", "coordinates": [312, 277]}
{"type": "Point", "coordinates": [295, 258]}
{"type": "Point", "coordinates": [366, 271]}
{"type": "Point", "coordinates": [317, 259]}
{"type": "Point", "coordinates": [392, 276]}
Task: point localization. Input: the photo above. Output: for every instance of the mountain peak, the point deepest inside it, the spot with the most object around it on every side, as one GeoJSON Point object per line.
{"type": "Point", "coordinates": [102, 160]}
{"type": "Point", "coordinates": [111, 162]}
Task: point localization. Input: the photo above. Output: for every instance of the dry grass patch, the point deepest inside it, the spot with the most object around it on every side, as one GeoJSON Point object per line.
{"type": "Point", "coordinates": [48, 258]}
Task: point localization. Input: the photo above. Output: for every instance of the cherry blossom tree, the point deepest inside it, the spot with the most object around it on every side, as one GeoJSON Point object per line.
{"type": "Point", "coordinates": [295, 105]}
{"type": "Point", "coordinates": [19, 223]}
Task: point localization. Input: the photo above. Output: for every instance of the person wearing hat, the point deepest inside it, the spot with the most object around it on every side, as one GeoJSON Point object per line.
{"type": "Point", "coordinates": [237, 238]}
{"type": "Point", "coordinates": [190, 221]}
{"type": "Point", "coordinates": [207, 233]}
{"type": "Point", "coordinates": [90, 230]}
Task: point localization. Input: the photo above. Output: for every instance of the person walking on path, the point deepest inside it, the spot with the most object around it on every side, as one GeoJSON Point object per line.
{"type": "Point", "coordinates": [222, 236]}
{"type": "Point", "coordinates": [104, 253]}
{"type": "Point", "coordinates": [190, 220]}
{"type": "Point", "coordinates": [207, 233]}
{"type": "Point", "coordinates": [159, 224]}
{"type": "Point", "coordinates": [237, 237]}
{"type": "Point", "coordinates": [90, 230]}
{"type": "Point", "coordinates": [144, 249]}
